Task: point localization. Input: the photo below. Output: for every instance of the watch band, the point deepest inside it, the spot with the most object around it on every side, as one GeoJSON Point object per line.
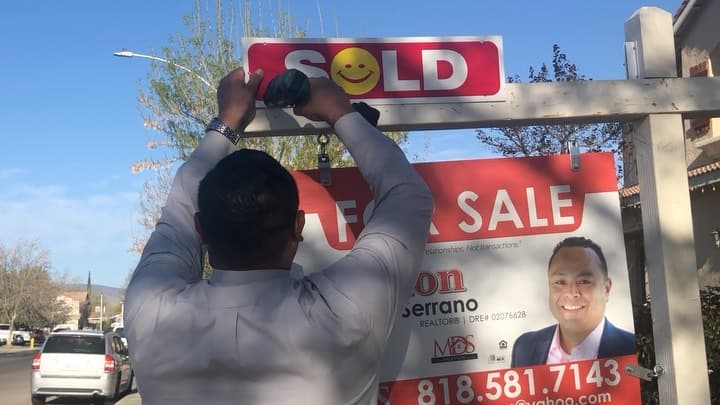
{"type": "Point", "coordinates": [219, 126]}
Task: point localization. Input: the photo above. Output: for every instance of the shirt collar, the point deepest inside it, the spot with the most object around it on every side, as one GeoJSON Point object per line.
{"type": "Point", "coordinates": [586, 350]}
{"type": "Point", "coordinates": [220, 276]}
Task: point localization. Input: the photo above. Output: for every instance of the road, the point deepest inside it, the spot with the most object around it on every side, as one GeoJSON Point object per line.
{"type": "Point", "coordinates": [15, 378]}
{"type": "Point", "coordinates": [15, 382]}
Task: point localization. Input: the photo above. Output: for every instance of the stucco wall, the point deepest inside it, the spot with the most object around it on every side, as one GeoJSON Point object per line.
{"type": "Point", "coordinates": [700, 37]}
{"type": "Point", "coordinates": [706, 218]}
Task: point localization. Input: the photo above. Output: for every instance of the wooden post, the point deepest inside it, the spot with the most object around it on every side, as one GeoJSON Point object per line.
{"type": "Point", "coordinates": [667, 221]}
{"type": "Point", "coordinates": [530, 104]}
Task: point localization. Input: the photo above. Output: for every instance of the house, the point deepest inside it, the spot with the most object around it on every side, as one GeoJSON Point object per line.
{"type": "Point", "coordinates": [73, 299]}
{"type": "Point", "coordinates": [697, 47]}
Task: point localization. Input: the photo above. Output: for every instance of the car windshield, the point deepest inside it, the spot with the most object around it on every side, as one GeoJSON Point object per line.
{"type": "Point", "coordinates": [75, 344]}
{"type": "Point", "coordinates": [4, 327]}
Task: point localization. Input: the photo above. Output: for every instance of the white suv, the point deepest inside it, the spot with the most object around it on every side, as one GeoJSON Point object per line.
{"type": "Point", "coordinates": [21, 337]}
{"type": "Point", "coordinates": [4, 333]}
{"type": "Point", "coordinates": [88, 364]}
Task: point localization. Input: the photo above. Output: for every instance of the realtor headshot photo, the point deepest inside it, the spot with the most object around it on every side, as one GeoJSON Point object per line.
{"type": "Point", "coordinates": [578, 289]}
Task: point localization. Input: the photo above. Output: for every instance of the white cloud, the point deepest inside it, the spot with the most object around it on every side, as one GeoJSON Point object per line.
{"type": "Point", "coordinates": [81, 232]}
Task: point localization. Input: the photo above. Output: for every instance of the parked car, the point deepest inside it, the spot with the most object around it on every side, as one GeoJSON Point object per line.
{"type": "Point", "coordinates": [84, 364]}
{"type": "Point", "coordinates": [61, 328]}
{"type": "Point", "coordinates": [20, 337]}
{"type": "Point", "coordinates": [39, 336]}
{"type": "Point", "coordinates": [4, 333]}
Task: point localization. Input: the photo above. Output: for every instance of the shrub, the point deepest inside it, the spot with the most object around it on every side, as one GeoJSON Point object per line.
{"type": "Point", "coordinates": [710, 303]}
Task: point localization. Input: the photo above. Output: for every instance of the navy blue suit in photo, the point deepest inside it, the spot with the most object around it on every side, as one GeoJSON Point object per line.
{"type": "Point", "coordinates": [531, 348]}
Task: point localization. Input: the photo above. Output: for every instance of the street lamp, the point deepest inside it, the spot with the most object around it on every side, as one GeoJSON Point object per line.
{"type": "Point", "coordinates": [130, 54]}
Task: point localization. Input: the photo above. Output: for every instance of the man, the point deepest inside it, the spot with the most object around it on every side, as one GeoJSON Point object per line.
{"type": "Point", "coordinates": [255, 332]}
{"type": "Point", "coordinates": [579, 289]}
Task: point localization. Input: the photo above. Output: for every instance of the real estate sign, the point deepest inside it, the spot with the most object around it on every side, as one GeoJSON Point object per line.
{"type": "Point", "coordinates": [389, 70]}
{"type": "Point", "coordinates": [484, 281]}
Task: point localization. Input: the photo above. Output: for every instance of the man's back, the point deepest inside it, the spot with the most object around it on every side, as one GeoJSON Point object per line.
{"type": "Point", "coordinates": [260, 337]}
{"type": "Point", "coordinates": [267, 335]}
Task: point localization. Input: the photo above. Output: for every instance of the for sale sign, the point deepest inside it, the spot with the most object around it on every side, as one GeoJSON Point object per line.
{"type": "Point", "coordinates": [492, 316]}
{"type": "Point", "coordinates": [390, 70]}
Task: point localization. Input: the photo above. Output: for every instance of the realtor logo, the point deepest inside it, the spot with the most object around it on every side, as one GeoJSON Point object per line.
{"type": "Point", "coordinates": [454, 348]}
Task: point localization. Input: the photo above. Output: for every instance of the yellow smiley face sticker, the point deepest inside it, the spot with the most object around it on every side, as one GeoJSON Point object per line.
{"type": "Point", "coordinates": [355, 70]}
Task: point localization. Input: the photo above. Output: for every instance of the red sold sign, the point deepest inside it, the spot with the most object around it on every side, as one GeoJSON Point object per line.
{"type": "Point", "coordinates": [415, 70]}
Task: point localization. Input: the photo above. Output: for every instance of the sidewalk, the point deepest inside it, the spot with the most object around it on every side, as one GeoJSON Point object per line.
{"type": "Point", "coordinates": [130, 399]}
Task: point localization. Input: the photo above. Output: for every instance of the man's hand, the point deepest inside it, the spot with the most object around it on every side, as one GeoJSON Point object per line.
{"type": "Point", "coordinates": [236, 98]}
{"type": "Point", "coordinates": [328, 102]}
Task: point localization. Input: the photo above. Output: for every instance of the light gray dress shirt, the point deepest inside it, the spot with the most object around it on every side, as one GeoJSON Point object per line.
{"type": "Point", "coordinates": [274, 336]}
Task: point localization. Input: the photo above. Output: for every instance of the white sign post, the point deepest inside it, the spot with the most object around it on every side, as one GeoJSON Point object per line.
{"type": "Point", "coordinates": [667, 223]}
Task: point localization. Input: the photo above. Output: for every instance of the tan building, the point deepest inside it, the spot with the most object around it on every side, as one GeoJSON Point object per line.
{"type": "Point", "coordinates": [697, 45]}
{"type": "Point", "coordinates": [73, 299]}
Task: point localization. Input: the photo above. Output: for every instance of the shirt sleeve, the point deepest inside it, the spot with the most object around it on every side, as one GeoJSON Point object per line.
{"type": "Point", "coordinates": [378, 274]}
{"type": "Point", "coordinates": [173, 255]}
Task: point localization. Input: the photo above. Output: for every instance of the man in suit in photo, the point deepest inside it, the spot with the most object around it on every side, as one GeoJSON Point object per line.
{"type": "Point", "coordinates": [579, 288]}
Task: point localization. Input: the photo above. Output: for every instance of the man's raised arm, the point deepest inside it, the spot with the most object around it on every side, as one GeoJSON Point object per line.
{"type": "Point", "coordinates": [378, 274]}
{"type": "Point", "coordinates": [173, 255]}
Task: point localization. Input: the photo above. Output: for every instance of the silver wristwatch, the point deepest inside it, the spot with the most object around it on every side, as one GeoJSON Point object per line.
{"type": "Point", "coordinates": [229, 133]}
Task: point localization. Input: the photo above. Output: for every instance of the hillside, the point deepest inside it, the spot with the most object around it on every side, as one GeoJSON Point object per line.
{"type": "Point", "coordinates": [111, 295]}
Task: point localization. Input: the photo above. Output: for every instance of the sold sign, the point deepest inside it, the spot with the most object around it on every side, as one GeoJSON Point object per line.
{"type": "Point", "coordinates": [395, 70]}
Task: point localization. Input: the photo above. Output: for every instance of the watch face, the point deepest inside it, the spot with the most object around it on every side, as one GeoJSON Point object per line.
{"type": "Point", "coordinates": [220, 125]}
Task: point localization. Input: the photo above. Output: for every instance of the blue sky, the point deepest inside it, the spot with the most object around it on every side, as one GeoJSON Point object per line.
{"type": "Point", "coordinates": [70, 125]}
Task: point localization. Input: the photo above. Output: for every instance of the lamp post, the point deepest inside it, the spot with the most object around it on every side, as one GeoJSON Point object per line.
{"type": "Point", "coordinates": [130, 54]}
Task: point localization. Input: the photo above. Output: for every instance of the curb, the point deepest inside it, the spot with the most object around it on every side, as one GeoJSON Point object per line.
{"type": "Point", "coordinates": [130, 399]}
{"type": "Point", "coordinates": [17, 352]}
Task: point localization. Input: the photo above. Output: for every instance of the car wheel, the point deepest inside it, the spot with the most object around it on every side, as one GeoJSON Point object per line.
{"type": "Point", "coordinates": [18, 341]}
{"type": "Point", "coordinates": [37, 400]}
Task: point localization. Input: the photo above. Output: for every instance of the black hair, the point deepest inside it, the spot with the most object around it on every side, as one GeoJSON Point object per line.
{"type": "Point", "coordinates": [579, 241]}
{"type": "Point", "coordinates": [248, 204]}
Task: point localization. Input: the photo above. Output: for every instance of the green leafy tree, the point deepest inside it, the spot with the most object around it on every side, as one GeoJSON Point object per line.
{"type": "Point", "coordinates": [177, 104]}
{"type": "Point", "coordinates": [551, 139]}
